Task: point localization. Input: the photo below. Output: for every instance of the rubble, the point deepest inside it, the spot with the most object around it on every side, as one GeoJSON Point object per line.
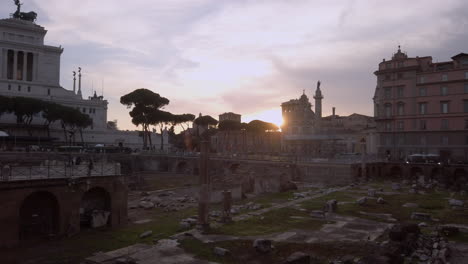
{"type": "Point", "coordinates": [298, 258]}
{"type": "Point", "coordinates": [146, 234]}
{"type": "Point", "coordinates": [361, 201]}
{"type": "Point", "coordinates": [262, 245]}
{"type": "Point", "coordinates": [421, 216]}
{"type": "Point", "coordinates": [218, 251]}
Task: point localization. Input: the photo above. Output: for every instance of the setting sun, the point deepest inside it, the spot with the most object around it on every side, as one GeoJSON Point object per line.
{"type": "Point", "coordinates": [273, 116]}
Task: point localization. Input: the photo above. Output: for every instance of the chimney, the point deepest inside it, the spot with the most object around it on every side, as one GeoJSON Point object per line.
{"type": "Point", "coordinates": [333, 111]}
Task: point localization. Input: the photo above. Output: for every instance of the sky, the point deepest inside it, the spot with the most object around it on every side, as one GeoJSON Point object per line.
{"type": "Point", "coordinates": [243, 56]}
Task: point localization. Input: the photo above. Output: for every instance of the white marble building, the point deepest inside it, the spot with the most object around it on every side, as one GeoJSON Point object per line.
{"type": "Point", "coordinates": [29, 68]}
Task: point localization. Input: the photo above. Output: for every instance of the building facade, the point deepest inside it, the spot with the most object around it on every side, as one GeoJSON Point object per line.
{"type": "Point", "coordinates": [30, 68]}
{"type": "Point", "coordinates": [230, 116]}
{"type": "Point", "coordinates": [306, 132]}
{"type": "Point", "coordinates": [421, 107]}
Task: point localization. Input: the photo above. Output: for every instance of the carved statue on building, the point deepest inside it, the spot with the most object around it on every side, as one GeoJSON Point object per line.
{"type": "Point", "coordinates": [29, 16]}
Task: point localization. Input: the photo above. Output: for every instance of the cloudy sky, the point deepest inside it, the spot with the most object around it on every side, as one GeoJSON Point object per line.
{"type": "Point", "coordinates": [245, 56]}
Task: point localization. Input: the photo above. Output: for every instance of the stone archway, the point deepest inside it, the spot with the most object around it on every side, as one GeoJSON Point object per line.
{"type": "Point", "coordinates": [95, 208]}
{"type": "Point", "coordinates": [416, 172]}
{"type": "Point", "coordinates": [436, 174]}
{"type": "Point", "coordinates": [460, 179]}
{"type": "Point", "coordinates": [181, 167]}
{"type": "Point", "coordinates": [396, 172]}
{"type": "Point", "coordinates": [39, 216]}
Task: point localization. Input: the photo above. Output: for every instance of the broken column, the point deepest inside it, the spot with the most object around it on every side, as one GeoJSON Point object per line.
{"type": "Point", "coordinates": [227, 204]}
{"type": "Point", "coordinates": [204, 192]}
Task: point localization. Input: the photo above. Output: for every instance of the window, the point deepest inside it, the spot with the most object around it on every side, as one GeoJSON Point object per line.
{"type": "Point", "coordinates": [48, 91]}
{"type": "Point", "coordinates": [466, 123]}
{"type": "Point", "coordinates": [401, 109]}
{"type": "Point", "coordinates": [84, 110]}
{"type": "Point", "coordinates": [422, 124]}
{"type": "Point", "coordinates": [444, 140]}
{"type": "Point", "coordinates": [422, 91]}
{"type": "Point", "coordinates": [388, 93]}
{"type": "Point", "coordinates": [388, 140]}
{"type": "Point", "coordinates": [401, 140]}
{"type": "Point", "coordinates": [388, 66]}
{"type": "Point", "coordinates": [443, 90]}
{"type": "Point", "coordinates": [400, 125]}
{"type": "Point", "coordinates": [29, 89]}
{"type": "Point", "coordinates": [422, 79]}
{"type": "Point", "coordinates": [422, 140]}
{"type": "Point", "coordinates": [19, 88]}
{"type": "Point", "coordinates": [422, 108]}
{"type": "Point", "coordinates": [465, 106]}
{"type": "Point", "coordinates": [388, 110]}
{"type": "Point", "coordinates": [466, 88]}
{"type": "Point", "coordinates": [388, 77]}
{"type": "Point", "coordinates": [400, 64]}
{"type": "Point", "coordinates": [444, 77]}
{"type": "Point", "coordinates": [388, 126]}
{"type": "Point", "coordinates": [9, 87]}
{"type": "Point", "coordinates": [400, 92]}
{"type": "Point", "coordinates": [400, 75]}
{"type": "Point", "coordinates": [466, 75]}
{"type": "Point", "coordinates": [444, 107]}
{"type": "Point", "coordinates": [444, 124]}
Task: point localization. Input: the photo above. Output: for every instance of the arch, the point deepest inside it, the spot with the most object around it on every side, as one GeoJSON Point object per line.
{"type": "Point", "coordinates": [460, 179]}
{"type": "Point", "coordinates": [436, 174]}
{"type": "Point", "coordinates": [416, 172]}
{"type": "Point", "coordinates": [181, 167]}
{"type": "Point", "coordinates": [39, 216]}
{"type": "Point", "coordinates": [396, 172]}
{"type": "Point", "coordinates": [196, 171]}
{"type": "Point", "coordinates": [95, 201]}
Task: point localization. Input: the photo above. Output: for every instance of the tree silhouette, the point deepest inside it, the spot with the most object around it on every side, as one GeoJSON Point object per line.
{"type": "Point", "coordinates": [144, 103]}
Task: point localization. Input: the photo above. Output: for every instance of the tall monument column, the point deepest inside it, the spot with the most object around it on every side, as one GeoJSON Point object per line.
{"type": "Point", "coordinates": [318, 102]}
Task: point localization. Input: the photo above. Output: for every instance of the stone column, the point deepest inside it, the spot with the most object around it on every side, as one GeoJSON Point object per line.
{"type": "Point", "coordinates": [25, 64]}
{"type": "Point", "coordinates": [4, 63]}
{"type": "Point", "coordinates": [204, 192]}
{"type": "Point", "coordinates": [227, 204]}
{"type": "Point", "coordinates": [35, 65]}
{"type": "Point", "coordinates": [15, 65]}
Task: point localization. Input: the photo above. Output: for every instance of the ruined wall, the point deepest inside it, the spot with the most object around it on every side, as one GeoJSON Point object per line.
{"type": "Point", "coordinates": [68, 195]}
{"type": "Point", "coordinates": [325, 173]}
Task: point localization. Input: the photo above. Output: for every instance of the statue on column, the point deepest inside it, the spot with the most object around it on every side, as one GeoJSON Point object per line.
{"type": "Point", "coordinates": [30, 16]}
{"type": "Point", "coordinates": [318, 85]}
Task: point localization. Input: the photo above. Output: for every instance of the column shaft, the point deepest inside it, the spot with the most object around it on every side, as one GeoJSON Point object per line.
{"type": "Point", "coordinates": [15, 65]}
{"type": "Point", "coordinates": [25, 63]}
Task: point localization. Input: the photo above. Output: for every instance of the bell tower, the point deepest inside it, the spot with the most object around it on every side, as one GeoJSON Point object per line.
{"type": "Point", "coordinates": [318, 102]}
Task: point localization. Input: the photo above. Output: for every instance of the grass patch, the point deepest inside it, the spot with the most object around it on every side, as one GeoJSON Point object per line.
{"type": "Point", "coordinates": [271, 222]}
{"type": "Point", "coordinates": [318, 203]}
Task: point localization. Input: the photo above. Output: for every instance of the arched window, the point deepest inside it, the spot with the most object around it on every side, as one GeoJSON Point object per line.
{"type": "Point", "coordinates": [400, 108]}
{"type": "Point", "coordinates": [388, 110]}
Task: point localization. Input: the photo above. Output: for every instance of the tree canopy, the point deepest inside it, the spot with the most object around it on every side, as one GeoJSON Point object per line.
{"type": "Point", "coordinates": [258, 126]}
{"type": "Point", "coordinates": [25, 108]}
{"type": "Point", "coordinates": [206, 120]}
{"type": "Point", "coordinates": [230, 125]}
{"type": "Point", "coordinates": [146, 110]}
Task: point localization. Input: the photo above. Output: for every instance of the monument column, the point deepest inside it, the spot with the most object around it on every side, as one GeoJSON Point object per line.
{"type": "Point", "coordinates": [35, 66]}
{"type": "Point", "coordinates": [25, 63]}
{"type": "Point", "coordinates": [4, 63]}
{"type": "Point", "coordinates": [15, 65]}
